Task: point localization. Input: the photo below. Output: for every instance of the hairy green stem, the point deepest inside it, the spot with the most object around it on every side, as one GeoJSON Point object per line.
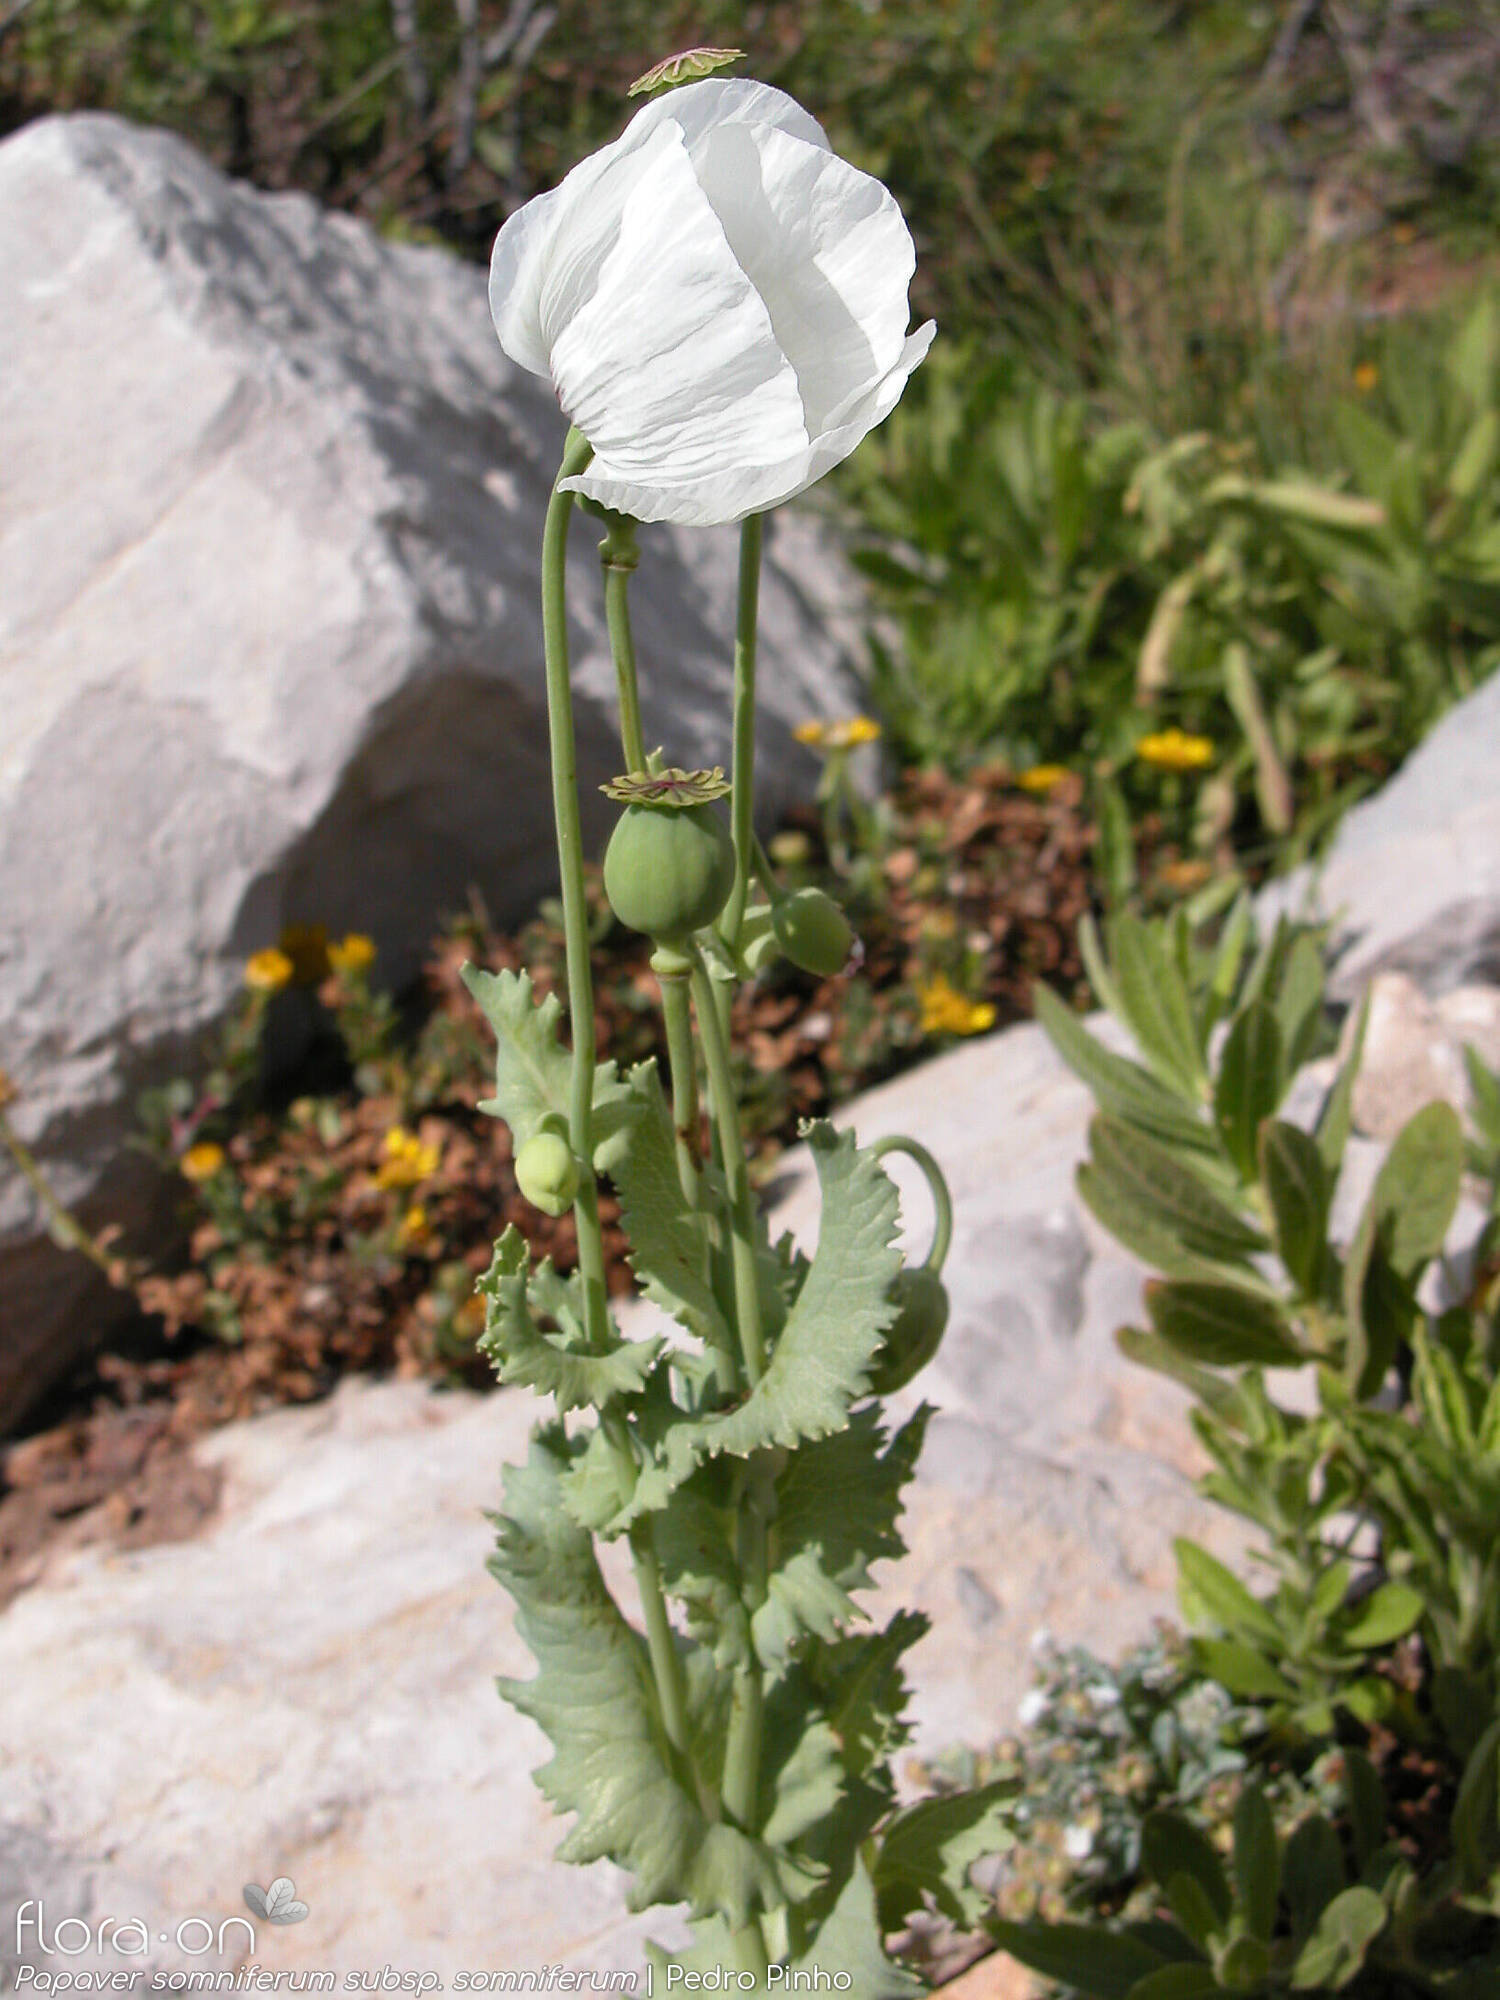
{"type": "Point", "coordinates": [742, 1749]}
{"type": "Point", "coordinates": [673, 973]}
{"type": "Point", "coordinates": [742, 798]}
{"type": "Point", "coordinates": [726, 1120]}
{"type": "Point", "coordinates": [666, 1667]}
{"type": "Point", "coordinates": [619, 554]}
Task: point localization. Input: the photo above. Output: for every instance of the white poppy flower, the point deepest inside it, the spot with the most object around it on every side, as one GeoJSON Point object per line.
{"type": "Point", "coordinates": [718, 300]}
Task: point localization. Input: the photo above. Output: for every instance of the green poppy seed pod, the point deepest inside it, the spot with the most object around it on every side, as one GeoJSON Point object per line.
{"type": "Point", "coordinates": [813, 932]}
{"type": "Point", "coordinates": [668, 870]}
{"type": "Point", "coordinates": [547, 1172]}
{"type": "Point", "coordinates": [913, 1338]}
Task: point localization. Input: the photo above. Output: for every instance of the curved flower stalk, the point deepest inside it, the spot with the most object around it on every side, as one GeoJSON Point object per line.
{"type": "Point", "coordinates": [722, 304]}
{"type": "Point", "coordinates": [719, 301]}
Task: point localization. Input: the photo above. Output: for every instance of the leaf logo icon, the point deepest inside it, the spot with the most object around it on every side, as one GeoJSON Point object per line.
{"type": "Point", "coordinates": [278, 1904]}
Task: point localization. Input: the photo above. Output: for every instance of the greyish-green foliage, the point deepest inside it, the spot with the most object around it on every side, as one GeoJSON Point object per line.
{"type": "Point", "coordinates": [1064, 581]}
{"type": "Point", "coordinates": [1375, 1507]}
{"type": "Point", "coordinates": [821, 1860]}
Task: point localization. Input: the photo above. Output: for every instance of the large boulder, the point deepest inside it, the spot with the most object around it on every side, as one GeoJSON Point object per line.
{"type": "Point", "coordinates": [309, 1684]}
{"type": "Point", "coordinates": [1412, 877]}
{"type": "Point", "coordinates": [270, 644]}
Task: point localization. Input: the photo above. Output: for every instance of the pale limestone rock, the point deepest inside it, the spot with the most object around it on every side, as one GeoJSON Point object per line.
{"type": "Point", "coordinates": [270, 643]}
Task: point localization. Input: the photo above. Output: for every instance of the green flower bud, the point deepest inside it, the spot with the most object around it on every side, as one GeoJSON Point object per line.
{"type": "Point", "coordinates": [911, 1342]}
{"type": "Point", "coordinates": [668, 869]}
{"type": "Point", "coordinates": [547, 1172]}
{"type": "Point", "coordinates": [813, 932]}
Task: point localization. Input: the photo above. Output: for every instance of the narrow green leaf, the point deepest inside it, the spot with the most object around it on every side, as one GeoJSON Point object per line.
{"type": "Point", "coordinates": [1135, 1178]}
{"type": "Point", "coordinates": [1091, 951]}
{"type": "Point", "coordinates": [1244, 1965]}
{"type": "Point", "coordinates": [1337, 1112]}
{"type": "Point", "coordinates": [1336, 1950]}
{"type": "Point", "coordinates": [1379, 1306]}
{"type": "Point", "coordinates": [1219, 1594]}
{"type": "Point", "coordinates": [1297, 1187]}
{"type": "Point", "coordinates": [1386, 1615]}
{"type": "Point", "coordinates": [1172, 1846]}
{"type": "Point", "coordinates": [1157, 1009]}
{"type": "Point", "coordinates": [1242, 1670]}
{"type": "Point", "coordinates": [1416, 1190]}
{"type": "Point", "coordinates": [1189, 1903]}
{"type": "Point", "coordinates": [1299, 1001]}
{"type": "Point", "coordinates": [1118, 1085]}
{"type": "Point", "coordinates": [1230, 954]}
{"type": "Point", "coordinates": [1103, 1964]}
{"type": "Point", "coordinates": [1250, 1084]}
{"type": "Point", "coordinates": [1366, 1801]}
{"type": "Point", "coordinates": [1484, 1090]}
{"type": "Point", "coordinates": [1183, 1981]}
{"type": "Point", "coordinates": [1312, 1872]}
{"type": "Point", "coordinates": [1443, 1395]}
{"type": "Point", "coordinates": [1257, 1862]}
{"type": "Point", "coordinates": [1148, 1350]}
{"type": "Point", "coordinates": [1223, 1326]}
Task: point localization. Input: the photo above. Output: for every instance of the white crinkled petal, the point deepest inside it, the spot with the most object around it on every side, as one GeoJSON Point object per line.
{"type": "Point", "coordinates": [575, 222]}
{"type": "Point", "coordinates": [826, 247]}
{"type": "Point", "coordinates": [671, 368]}
{"type": "Point", "coordinates": [732, 492]}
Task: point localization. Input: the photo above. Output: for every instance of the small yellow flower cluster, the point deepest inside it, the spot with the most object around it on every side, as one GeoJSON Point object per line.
{"type": "Point", "coordinates": [352, 955]}
{"type": "Point", "coordinates": [1366, 377]}
{"type": "Point", "coordinates": [946, 1012]}
{"type": "Point", "coordinates": [269, 970]}
{"type": "Point", "coordinates": [201, 1162]}
{"type": "Point", "coordinates": [304, 956]}
{"type": "Point", "coordinates": [1174, 750]}
{"type": "Point", "coordinates": [1042, 778]}
{"type": "Point", "coordinates": [407, 1161]}
{"type": "Point", "coordinates": [846, 735]}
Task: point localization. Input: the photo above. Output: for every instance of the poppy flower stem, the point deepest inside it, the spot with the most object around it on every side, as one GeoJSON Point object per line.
{"type": "Point", "coordinates": [666, 1666]}
{"type": "Point", "coordinates": [619, 555]}
{"type": "Point", "coordinates": [742, 798]}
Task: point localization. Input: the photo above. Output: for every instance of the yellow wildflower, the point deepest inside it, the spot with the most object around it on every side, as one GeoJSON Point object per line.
{"type": "Point", "coordinates": [845, 735]}
{"type": "Point", "coordinates": [946, 1012]}
{"type": "Point", "coordinates": [269, 970]}
{"type": "Point", "coordinates": [352, 955]}
{"type": "Point", "coordinates": [1366, 375]}
{"type": "Point", "coordinates": [1174, 750]}
{"type": "Point", "coordinates": [407, 1161]}
{"type": "Point", "coordinates": [414, 1226]}
{"type": "Point", "coordinates": [306, 945]}
{"type": "Point", "coordinates": [1042, 777]}
{"type": "Point", "coordinates": [201, 1162]}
